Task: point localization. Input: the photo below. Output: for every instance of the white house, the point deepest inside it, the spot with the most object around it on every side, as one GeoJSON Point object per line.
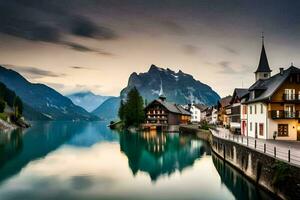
{"type": "Point", "coordinates": [273, 103]}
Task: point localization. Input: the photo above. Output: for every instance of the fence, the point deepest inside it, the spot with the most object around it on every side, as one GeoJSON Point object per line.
{"type": "Point", "coordinates": [278, 151]}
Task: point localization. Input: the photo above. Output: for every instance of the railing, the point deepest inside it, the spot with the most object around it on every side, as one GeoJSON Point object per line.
{"type": "Point", "coordinates": [280, 152]}
{"type": "Point", "coordinates": [281, 114]}
{"type": "Point", "coordinates": [291, 97]}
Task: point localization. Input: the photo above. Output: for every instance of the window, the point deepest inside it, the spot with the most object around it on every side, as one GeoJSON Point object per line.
{"type": "Point", "coordinates": [283, 130]}
{"type": "Point", "coordinates": [261, 129]}
{"type": "Point", "coordinates": [261, 109]}
{"type": "Point", "coordinates": [289, 94]}
{"type": "Point", "coordinates": [244, 109]}
{"type": "Point", "coordinates": [250, 126]}
{"type": "Point", "coordinates": [254, 109]}
{"type": "Point", "coordinates": [265, 75]}
{"type": "Point", "coordinates": [250, 109]}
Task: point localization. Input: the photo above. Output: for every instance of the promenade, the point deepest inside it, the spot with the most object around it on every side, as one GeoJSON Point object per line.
{"type": "Point", "coordinates": [288, 151]}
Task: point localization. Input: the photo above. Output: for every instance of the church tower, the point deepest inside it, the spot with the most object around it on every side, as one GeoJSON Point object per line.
{"type": "Point", "coordinates": [263, 70]}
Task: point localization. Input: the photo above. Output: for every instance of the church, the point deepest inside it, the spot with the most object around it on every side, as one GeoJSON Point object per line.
{"type": "Point", "coordinates": [272, 104]}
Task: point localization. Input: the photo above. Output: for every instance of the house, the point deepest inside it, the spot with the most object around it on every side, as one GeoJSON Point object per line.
{"type": "Point", "coordinates": [163, 115]}
{"type": "Point", "coordinates": [211, 115]}
{"type": "Point", "coordinates": [236, 109]}
{"type": "Point", "coordinates": [198, 112]}
{"type": "Point", "coordinates": [273, 103]}
{"type": "Point", "coordinates": [224, 110]}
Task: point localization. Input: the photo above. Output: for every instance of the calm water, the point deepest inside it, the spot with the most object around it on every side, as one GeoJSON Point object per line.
{"type": "Point", "coordinates": [65, 160]}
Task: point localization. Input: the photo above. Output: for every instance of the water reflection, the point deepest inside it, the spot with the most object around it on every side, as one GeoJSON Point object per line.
{"type": "Point", "coordinates": [160, 154]}
{"type": "Point", "coordinates": [236, 183]}
{"type": "Point", "coordinates": [19, 148]}
{"type": "Point", "coordinates": [65, 160]}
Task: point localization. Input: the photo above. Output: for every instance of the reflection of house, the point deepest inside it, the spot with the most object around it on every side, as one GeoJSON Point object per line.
{"type": "Point", "coordinates": [274, 103]}
{"type": "Point", "coordinates": [223, 111]}
{"type": "Point", "coordinates": [159, 154]}
{"type": "Point", "coordinates": [161, 114]}
{"type": "Point", "coordinates": [236, 110]}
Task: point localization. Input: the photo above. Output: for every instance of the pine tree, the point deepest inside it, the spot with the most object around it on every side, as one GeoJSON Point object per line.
{"type": "Point", "coordinates": [121, 110]}
{"type": "Point", "coordinates": [18, 107]}
{"type": "Point", "coordinates": [133, 109]}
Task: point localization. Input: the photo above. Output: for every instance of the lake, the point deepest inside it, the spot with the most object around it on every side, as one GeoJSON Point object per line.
{"type": "Point", "coordinates": [87, 160]}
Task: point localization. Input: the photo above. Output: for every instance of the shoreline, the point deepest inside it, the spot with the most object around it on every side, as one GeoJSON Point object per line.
{"type": "Point", "coordinates": [254, 165]}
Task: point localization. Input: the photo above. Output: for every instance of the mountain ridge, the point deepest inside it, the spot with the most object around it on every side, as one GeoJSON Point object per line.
{"type": "Point", "coordinates": [178, 87]}
{"type": "Point", "coordinates": [87, 100]}
{"type": "Point", "coordinates": [43, 99]}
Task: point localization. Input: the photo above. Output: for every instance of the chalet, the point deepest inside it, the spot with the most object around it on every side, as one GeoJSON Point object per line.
{"type": "Point", "coordinates": [236, 109]}
{"type": "Point", "coordinates": [163, 115]}
{"type": "Point", "coordinates": [273, 103]}
{"type": "Point", "coordinates": [223, 112]}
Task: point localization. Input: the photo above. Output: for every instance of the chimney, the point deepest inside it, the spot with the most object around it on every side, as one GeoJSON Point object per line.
{"type": "Point", "coordinates": [281, 70]}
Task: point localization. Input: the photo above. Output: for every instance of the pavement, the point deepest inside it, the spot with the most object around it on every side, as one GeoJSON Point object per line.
{"type": "Point", "coordinates": [281, 151]}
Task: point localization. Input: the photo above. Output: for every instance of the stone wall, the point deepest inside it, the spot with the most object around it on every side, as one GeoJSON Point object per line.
{"type": "Point", "coordinates": [276, 176]}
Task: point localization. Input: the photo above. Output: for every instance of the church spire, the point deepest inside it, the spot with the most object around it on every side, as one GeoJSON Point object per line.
{"type": "Point", "coordinates": [263, 65]}
{"type": "Point", "coordinates": [161, 92]}
{"type": "Point", "coordinates": [263, 70]}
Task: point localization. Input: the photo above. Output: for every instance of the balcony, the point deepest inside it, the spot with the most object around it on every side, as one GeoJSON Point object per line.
{"type": "Point", "coordinates": [281, 114]}
{"type": "Point", "coordinates": [291, 97]}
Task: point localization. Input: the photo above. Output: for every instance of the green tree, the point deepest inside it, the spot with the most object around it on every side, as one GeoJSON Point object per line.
{"type": "Point", "coordinates": [133, 109]}
{"type": "Point", "coordinates": [121, 110]}
{"type": "Point", "coordinates": [2, 106]}
{"type": "Point", "coordinates": [18, 107]}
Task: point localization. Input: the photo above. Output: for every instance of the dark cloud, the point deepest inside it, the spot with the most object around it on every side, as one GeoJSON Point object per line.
{"type": "Point", "coordinates": [81, 26]}
{"type": "Point", "coordinates": [50, 21]}
{"type": "Point", "coordinates": [33, 72]}
{"type": "Point", "coordinates": [82, 48]}
{"type": "Point", "coordinates": [190, 49]}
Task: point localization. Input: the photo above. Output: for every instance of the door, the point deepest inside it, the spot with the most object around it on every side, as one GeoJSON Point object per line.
{"type": "Point", "coordinates": [255, 130]}
{"type": "Point", "coordinates": [298, 132]}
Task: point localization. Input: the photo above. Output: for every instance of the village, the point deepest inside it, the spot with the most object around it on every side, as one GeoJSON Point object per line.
{"type": "Point", "coordinates": [268, 109]}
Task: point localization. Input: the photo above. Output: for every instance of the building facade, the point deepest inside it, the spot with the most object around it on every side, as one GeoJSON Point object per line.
{"type": "Point", "coordinates": [235, 119]}
{"type": "Point", "coordinates": [161, 115]}
{"type": "Point", "coordinates": [273, 103]}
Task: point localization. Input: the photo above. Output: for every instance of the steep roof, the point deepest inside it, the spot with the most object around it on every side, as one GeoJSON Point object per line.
{"type": "Point", "coordinates": [263, 65]}
{"type": "Point", "coordinates": [240, 92]}
{"type": "Point", "coordinates": [268, 86]}
{"type": "Point", "coordinates": [172, 107]}
{"type": "Point", "coordinates": [225, 101]}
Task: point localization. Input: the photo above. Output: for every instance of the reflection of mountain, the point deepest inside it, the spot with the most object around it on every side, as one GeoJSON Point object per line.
{"type": "Point", "coordinates": [160, 154]}
{"type": "Point", "coordinates": [18, 150]}
{"type": "Point", "coordinates": [236, 183]}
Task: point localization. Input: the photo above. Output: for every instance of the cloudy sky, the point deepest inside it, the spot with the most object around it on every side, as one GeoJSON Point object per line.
{"type": "Point", "coordinates": [75, 45]}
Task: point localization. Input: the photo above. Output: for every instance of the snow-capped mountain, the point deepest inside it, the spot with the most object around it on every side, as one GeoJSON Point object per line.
{"type": "Point", "coordinates": [178, 87]}
{"type": "Point", "coordinates": [87, 100]}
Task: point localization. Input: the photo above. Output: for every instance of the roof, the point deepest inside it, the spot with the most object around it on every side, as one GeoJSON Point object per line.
{"type": "Point", "coordinates": [225, 101]}
{"type": "Point", "coordinates": [263, 65]}
{"type": "Point", "coordinates": [201, 107]}
{"type": "Point", "coordinates": [172, 107]}
{"type": "Point", "coordinates": [240, 92]}
{"type": "Point", "coordinates": [269, 86]}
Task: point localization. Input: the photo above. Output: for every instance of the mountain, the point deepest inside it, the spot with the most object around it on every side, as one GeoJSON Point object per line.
{"type": "Point", "coordinates": [87, 100]}
{"type": "Point", "coordinates": [108, 109]}
{"type": "Point", "coordinates": [178, 87]}
{"type": "Point", "coordinates": [43, 99]}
